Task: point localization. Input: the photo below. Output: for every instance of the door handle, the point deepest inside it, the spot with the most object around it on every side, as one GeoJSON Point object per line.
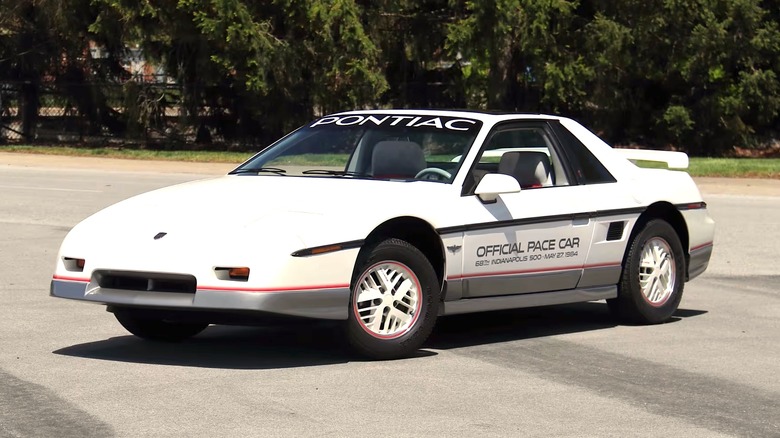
{"type": "Point", "coordinates": [580, 220]}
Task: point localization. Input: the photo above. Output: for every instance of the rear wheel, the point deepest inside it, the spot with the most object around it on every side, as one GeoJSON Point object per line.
{"type": "Point", "coordinates": [651, 285]}
{"type": "Point", "coordinates": [394, 301]}
{"type": "Point", "coordinates": [158, 329]}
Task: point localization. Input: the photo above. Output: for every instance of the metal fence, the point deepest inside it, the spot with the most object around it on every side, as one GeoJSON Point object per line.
{"type": "Point", "coordinates": [149, 113]}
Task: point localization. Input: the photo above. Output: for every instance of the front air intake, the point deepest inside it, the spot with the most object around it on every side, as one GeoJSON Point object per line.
{"type": "Point", "coordinates": [145, 281]}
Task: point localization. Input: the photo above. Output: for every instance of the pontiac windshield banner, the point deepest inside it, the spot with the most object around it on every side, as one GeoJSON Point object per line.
{"type": "Point", "coordinates": [429, 122]}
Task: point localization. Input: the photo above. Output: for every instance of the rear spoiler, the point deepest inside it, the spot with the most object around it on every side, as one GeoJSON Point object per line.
{"type": "Point", "coordinates": [674, 160]}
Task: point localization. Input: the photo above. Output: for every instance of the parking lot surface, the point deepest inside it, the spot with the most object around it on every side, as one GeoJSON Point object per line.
{"type": "Point", "coordinates": [68, 369]}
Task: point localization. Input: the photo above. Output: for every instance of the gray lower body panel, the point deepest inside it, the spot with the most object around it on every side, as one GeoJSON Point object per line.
{"type": "Point", "coordinates": [520, 284]}
{"type": "Point", "coordinates": [453, 290]}
{"type": "Point", "coordinates": [470, 305]}
{"type": "Point", "coordinates": [320, 304]}
{"type": "Point", "coordinates": [698, 261]}
{"type": "Point", "coordinates": [600, 276]}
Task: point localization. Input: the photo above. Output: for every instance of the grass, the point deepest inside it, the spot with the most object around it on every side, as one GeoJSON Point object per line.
{"type": "Point", "coordinates": [736, 167]}
{"type": "Point", "coordinates": [718, 167]}
{"type": "Point", "coordinates": [333, 160]}
{"type": "Point", "coordinates": [310, 160]}
{"type": "Point", "coordinates": [133, 154]}
{"type": "Point", "coordinates": [728, 167]}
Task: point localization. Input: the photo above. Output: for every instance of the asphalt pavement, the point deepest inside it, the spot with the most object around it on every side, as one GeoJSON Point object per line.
{"type": "Point", "coordinates": [67, 369]}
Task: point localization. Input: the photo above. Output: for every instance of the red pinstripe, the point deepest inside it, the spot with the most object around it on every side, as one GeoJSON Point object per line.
{"type": "Point", "coordinates": [273, 289]}
{"type": "Point", "coordinates": [701, 246]}
{"type": "Point", "coordinates": [64, 278]}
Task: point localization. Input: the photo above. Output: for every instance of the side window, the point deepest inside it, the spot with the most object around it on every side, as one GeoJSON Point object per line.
{"type": "Point", "coordinates": [523, 151]}
{"type": "Point", "coordinates": [586, 167]}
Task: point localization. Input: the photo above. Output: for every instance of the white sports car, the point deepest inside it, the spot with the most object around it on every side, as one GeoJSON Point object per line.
{"type": "Point", "coordinates": [390, 219]}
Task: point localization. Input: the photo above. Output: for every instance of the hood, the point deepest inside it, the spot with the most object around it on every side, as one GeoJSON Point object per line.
{"type": "Point", "coordinates": [243, 198]}
{"type": "Point", "coordinates": [238, 207]}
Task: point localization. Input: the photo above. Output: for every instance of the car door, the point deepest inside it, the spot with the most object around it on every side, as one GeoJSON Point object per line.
{"type": "Point", "coordinates": [537, 239]}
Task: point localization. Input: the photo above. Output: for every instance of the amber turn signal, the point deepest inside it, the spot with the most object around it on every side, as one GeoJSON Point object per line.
{"type": "Point", "coordinates": [324, 249]}
{"type": "Point", "coordinates": [74, 264]}
{"type": "Point", "coordinates": [238, 273]}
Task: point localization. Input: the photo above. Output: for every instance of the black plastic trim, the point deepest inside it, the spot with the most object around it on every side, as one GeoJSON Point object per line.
{"type": "Point", "coordinates": [306, 252]}
{"type": "Point", "coordinates": [615, 230]}
{"type": "Point", "coordinates": [573, 148]}
{"type": "Point", "coordinates": [538, 220]}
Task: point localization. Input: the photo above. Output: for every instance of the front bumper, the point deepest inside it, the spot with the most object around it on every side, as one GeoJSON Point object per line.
{"type": "Point", "coordinates": [327, 302]}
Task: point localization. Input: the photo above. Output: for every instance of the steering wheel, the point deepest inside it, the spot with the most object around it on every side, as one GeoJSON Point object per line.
{"type": "Point", "coordinates": [433, 173]}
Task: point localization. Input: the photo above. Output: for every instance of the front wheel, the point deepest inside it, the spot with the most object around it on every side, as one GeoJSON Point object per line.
{"type": "Point", "coordinates": [394, 301]}
{"type": "Point", "coordinates": [158, 329]}
{"type": "Point", "coordinates": [651, 285]}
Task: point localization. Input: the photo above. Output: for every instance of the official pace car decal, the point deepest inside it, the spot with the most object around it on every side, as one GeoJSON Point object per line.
{"type": "Point", "coordinates": [430, 122]}
{"type": "Point", "coordinates": [532, 250]}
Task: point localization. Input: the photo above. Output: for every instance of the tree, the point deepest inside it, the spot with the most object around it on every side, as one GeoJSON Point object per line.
{"type": "Point", "coordinates": [412, 36]}
{"type": "Point", "coordinates": [520, 55]}
{"type": "Point", "coordinates": [276, 63]}
{"type": "Point", "coordinates": [696, 74]}
{"type": "Point", "coordinates": [699, 75]}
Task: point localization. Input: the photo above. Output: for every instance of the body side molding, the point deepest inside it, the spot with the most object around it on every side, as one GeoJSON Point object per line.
{"type": "Point", "coordinates": [472, 305]}
{"type": "Point", "coordinates": [539, 220]}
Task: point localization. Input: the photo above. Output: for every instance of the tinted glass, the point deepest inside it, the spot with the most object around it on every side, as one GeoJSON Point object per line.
{"type": "Point", "coordinates": [523, 150]}
{"type": "Point", "coordinates": [586, 167]}
{"type": "Point", "coordinates": [377, 146]}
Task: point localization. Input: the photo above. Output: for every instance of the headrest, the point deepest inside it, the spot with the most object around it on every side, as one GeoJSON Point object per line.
{"type": "Point", "coordinates": [530, 168]}
{"type": "Point", "coordinates": [397, 159]}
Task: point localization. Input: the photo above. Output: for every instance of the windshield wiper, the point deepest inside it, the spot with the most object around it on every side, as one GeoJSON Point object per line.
{"type": "Point", "coordinates": [274, 170]}
{"type": "Point", "coordinates": [334, 173]}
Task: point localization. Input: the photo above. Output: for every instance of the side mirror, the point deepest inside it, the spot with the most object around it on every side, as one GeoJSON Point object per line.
{"type": "Point", "coordinates": [494, 184]}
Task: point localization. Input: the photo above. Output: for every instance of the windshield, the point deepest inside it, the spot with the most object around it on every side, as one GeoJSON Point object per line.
{"type": "Point", "coordinates": [376, 146]}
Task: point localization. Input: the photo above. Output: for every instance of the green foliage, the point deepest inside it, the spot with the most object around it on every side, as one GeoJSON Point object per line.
{"type": "Point", "coordinates": [238, 42]}
{"type": "Point", "coordinates": [697, 75]}
{"type": "Point", "coordinates": [523, 53]}
{"type": "Point", "coordinates": [677, 121]}
{"type": "Point", "coordinates": [282, 60]}
{"type": "Point", "coordinates": [329, 59]}
{"type": "Point", "coordinates": [727, 167]}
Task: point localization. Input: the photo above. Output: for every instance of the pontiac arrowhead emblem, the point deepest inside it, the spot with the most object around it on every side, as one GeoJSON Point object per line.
{"type": "Point", "coordinates": [454, 248]}
{"type": "Point", "coordinates": [159, 236]}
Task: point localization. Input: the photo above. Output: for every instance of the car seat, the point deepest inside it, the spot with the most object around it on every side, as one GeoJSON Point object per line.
{"type": "Point", "coordinates": [530, 168]}
{"type": "Point", "coordinates": [397, 159]}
